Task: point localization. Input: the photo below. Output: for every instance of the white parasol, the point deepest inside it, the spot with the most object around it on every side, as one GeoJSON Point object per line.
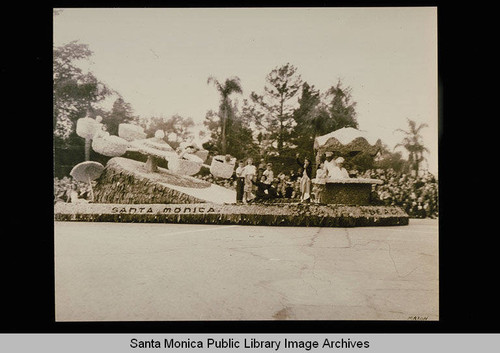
{"type": "Point", "coordinates": [86, 172]}
{"type": "Point", "coordinates": [154, 147]}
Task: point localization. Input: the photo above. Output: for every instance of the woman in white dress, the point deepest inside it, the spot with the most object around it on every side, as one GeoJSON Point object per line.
{"type": "Point", "coordinates": [329, 165]}
{"type": "Point", "coordinates": [338, 172]}
{"type": "Point", "coordinates": [248, 173]}
{"type": "Point", "coordinates": [305, 181]}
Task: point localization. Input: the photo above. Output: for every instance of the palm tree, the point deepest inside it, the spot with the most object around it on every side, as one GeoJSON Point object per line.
{"type": "Point", "coordinates": [232, 85]}
{"type": "Point", "coordinates": [412, 143]}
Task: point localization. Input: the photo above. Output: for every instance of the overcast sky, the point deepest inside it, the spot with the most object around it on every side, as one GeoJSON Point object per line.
{"type": "Point", "coordinates": [159, 59]}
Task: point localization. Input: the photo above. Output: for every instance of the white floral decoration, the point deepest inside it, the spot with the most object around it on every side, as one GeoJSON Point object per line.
{"type": "Point", "coordinates": [111, 146]}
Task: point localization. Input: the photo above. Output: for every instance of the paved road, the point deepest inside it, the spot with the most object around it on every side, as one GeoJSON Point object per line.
{"type": "Point", "coordinates": [164, 272]}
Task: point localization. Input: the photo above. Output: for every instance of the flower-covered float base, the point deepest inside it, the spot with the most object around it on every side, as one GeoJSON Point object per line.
{"type": "Point", "coordinates": [310, 215]}
{"type": "Point", "coordinates": [349, 191]}
{"type": "Point", "coordinates": [126, 181]}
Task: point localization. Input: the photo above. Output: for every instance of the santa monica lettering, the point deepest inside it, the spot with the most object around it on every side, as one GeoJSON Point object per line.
{"type": "Point", "coordinates": [135, 343]}
{"type": "Point", "coordinates": [167, 343]}
{"type": "Point", "coordinates": [165, 210]}
{"type": "Point", "coordinates": [171, 343]}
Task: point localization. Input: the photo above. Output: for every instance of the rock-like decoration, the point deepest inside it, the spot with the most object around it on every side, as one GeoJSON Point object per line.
{"type": "Point", "coordinates": [131, 132]}
{"type": "Point", "coordinates": [126, 181]}
{"type": "Point", "coordinates": [110, 145]}
{"type": "Point", "coordinates": [222, 166]}
{"type": "Point", "coordinates": [203, 154]}
{"type": "Point", "coordinates": [188, 164]}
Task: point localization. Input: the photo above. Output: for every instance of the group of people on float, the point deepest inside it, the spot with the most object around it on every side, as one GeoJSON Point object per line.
{"type": "Point", "coordinates": [259, 183]}
{"type": "Point", "coordinates": [329, 168]}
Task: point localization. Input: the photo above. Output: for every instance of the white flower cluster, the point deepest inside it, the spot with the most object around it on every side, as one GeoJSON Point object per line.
{"type": "Point", "coordinates": [64, 127]}
{"type": "Point", "coordinates": [159, 134]}
{"type": "Point", "coordinates": [87, 127]}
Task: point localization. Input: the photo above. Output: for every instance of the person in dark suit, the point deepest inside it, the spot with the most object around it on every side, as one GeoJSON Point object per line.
{"type": "Point", "coordinates": [262, 191]}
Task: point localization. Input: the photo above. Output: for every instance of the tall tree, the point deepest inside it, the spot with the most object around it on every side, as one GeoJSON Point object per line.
{"type": "Point", "coordinates": [212, 123]}
{"type": "Point", "coordinates": [387, 159]}
{"type": "Point", "coordinates": [74, 92]}
{"type": "Point", "coordinates": [230, 86]}
{"type": "Point", "coordinates": [239, 142]}
{"type": "Point", "coordinates": [319, 114]}
{"type": "Point", "coordinates": [310, 119]}
{"type": "Point", "coordinates": [120, 113]}
{"type": "Point", "coordinates": [282, 86]}
{"type": "Point", "coordinates": [341, 108]}
{"type": "Point", "coordinates": [412, 142]}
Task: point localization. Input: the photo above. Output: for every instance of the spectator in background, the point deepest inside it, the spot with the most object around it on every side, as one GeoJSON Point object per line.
{"type": "Point", "coordinates": [261, 168]}
{"type": "Point", "coordinates": [289, 187]}
{"type": "Point", "coordinates": [268, 173]}
{"type": "Point", "coordinates": [74, 196]}
{"type": "Point", "coordinates": [261, 191]}
{"type": "Point", "coordinates": [417, 196]}
{"type": "Point", "coordinates": [66, 188]}
{"type": "Point", "coordinates": [274, 190]}
{"type": "Point", "coordinates": [296, 184]}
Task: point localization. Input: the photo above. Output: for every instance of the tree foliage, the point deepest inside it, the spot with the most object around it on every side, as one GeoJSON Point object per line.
{"type": "Point", "coordinates": [274, 107]}
{"type": "Point", "coordinates": [412, 142]}
{"type": "Point", "coordinates": [309, 118]}
{"type": "Point", "coordinates": [387, 159]}
{"type": "Point", "coordinates": [226, 113]}
{"type": "Point", "coordinates": [239, 135]}
{"type": "Point", "coordinates": [319, 114]}
{"type": "Point", "coordinates": [177, 129]}
{"type": "Point", "coordinates": [75, 92]}
{"type": "Point", "coordinates": [120, 113]}
{"type": "Point", "coordinates": [341, 108]}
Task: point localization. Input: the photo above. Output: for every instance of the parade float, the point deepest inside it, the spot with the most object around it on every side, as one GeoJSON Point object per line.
{"type": "Point", "coordinates": [346, 142]}
{"type": "Point", "coordinates": [127, 190]}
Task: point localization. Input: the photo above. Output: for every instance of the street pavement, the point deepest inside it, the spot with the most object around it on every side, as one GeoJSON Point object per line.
{"type": "Point", "coordinates": [172, 272]}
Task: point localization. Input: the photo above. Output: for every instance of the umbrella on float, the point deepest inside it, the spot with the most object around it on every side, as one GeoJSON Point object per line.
{"type": "Point", "coordinates": [109, 145]}
{"type": "Point", "coordinates": [86, 172]}
{"type": "Point", "coordinates": [153, 148]}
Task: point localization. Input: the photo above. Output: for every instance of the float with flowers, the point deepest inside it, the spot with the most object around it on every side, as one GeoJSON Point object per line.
{"type": "Point", "coordinates": [128, 190]}
{"type": "Point", "coordinates": [338, 187]}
